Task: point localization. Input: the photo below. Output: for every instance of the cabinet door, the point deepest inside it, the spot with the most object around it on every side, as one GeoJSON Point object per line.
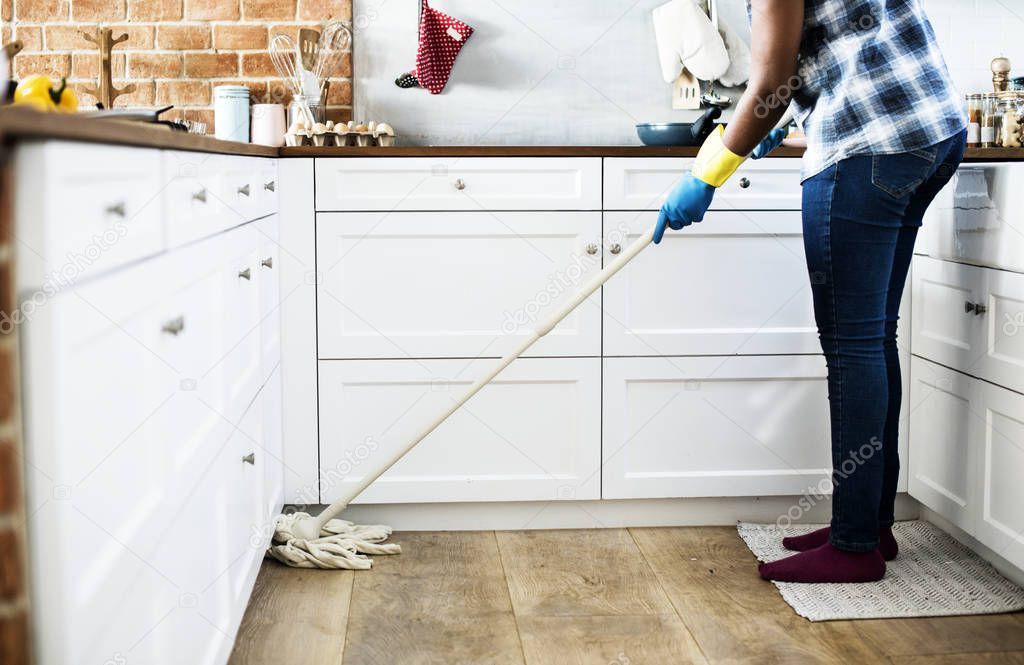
{"type": "Point", "coordinates": [735, 284]}
{"type": "Point", "coordinates": [1002, 362]}
{"type": "Point", "coordinates": [713, 426]}
{"type": "Point", "coordinates": [944, 431]}
{"type": "Point", "coordinates": [487, 183]}
{"type": "Point", "coordinates": [945, 325]}
{"type": "Point", "coordinates": [267, 273]}
{"type": "Point", "coordinates": [976, 218]}
{"type": "Point", "coordinates": [242, 359]}
{"type": "Point", "coordinates": [643, 183]}
{"type": "Point", "coordinates": [434, 285]}
{"type": "Point", "coordinates": [1001, 444]}
{"type": "Point", "coordinates": [532, 434]}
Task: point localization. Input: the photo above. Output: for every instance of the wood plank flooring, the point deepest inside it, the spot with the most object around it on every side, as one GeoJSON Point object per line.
{"type": "Point", "coordinates": [589, 597]}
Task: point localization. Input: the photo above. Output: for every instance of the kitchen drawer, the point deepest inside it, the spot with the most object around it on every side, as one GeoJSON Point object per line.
{"type": "Point", "coordinates": [735, 284]}
{"type": "Point", "coordinates": [643, 183]}
{"type": "Point", "coordinates": [462, 284]}
{"type": "Point", "coordinates": [977, 218]}
{"type": "Point", "coordinates": [715, 426]}
{"type": "Point", "coordinates": [971, 319]}
{"type": "Point", "coordinates": [945, 431]}
{"type": "Point", "coordinates": [533, 434]}
{"type": "Point", "coordinates": [476, 183]}
{"type": "Point", "coordinates": [84, 209]}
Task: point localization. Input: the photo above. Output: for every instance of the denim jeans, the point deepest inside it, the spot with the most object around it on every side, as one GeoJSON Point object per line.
{"type": "Point", "coordinates": [860, 220]}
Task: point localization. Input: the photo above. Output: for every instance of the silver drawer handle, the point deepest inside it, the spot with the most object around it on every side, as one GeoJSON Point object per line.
{"type": "Point", "coordinates": [174, 326]}
{"type": "Point", "coordinates": [270, 186]}
{"type": "Point", "coordinates": [268, 262]}
{"type": "Point", "coordinates": [460, 184]}
{"type": "Point", "coordinates": [975, 308]}
{"type": "Point", "coordinates": [744, 183]}
{"type": "Point", "coordinates": [250, 459]}
{"type": "Point", "coordinates": [245, 274]}
{"type": "Point", "coordinates": [592, 249]}
{"type": "Point", "coordinates": [244, 190]}
{"type": "Point", "coordinates": [116, 209]}
{"type": "Point", "coordinates": [200, 196]}
{"type": "Point", "coordinates": [615, 248]}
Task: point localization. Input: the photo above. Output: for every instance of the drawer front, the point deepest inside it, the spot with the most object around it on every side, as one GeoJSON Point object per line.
{"type": "Point", "coordinates": [86, 209]}
{"type": "Point", "coordinates": [977, 219]}
{"type": "Point", "coordinates": [714, 426]}
{"type": "Point", "coordinates": [356, 184]}
{"type": "Point", "coordinates": [943, 330]}
{"type": "Point", "coordinates": [268, 281]}
{"type": "Point", "coordinates": [487, 451]}
{"type": "Point", "coordinates": [944, 435]}
{"type": "Point", "coordinates": [643, 184]}
{"type": "Point", "coordinates": [1001, 447]}
{"type": "Point", "coordinates": [1002, 362]}
{"type": "Point", "coordinates": [735, 284]}
{"type": "Point", "coordinates": [433, 285]}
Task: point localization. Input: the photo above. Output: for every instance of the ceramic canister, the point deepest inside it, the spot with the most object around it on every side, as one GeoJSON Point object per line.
{"type": "Point", "coordinates": [231, 113]}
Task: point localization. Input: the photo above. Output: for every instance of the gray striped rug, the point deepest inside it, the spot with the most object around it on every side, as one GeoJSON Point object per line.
{"type": "Point", "coordinates": [934, 575]}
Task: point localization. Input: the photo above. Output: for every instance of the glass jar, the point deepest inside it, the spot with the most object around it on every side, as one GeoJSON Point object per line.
{"type": "Point", "coordinates": [989, 120]}
{"type": "Point", "coordinates": [1011, 127]}
{"type": "Point", "coordinates": [974, 120]}
{"type": "Point", "coordinates": [313, 102]}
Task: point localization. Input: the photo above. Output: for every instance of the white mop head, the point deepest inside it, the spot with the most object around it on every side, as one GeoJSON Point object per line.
{"type": "Point", "coordinates": [341, 544]}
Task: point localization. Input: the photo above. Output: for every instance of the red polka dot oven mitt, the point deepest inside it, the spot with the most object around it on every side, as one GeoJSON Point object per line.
{"type": "Point", "coordinates": [441, 38]}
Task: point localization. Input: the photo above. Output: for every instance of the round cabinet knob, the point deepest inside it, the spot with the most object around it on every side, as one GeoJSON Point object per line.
{"type": "Point", "coordinates": [244, 190]}
{"type": "Point", "coordinates": [592, 249]}
{"type": "Point", "coordinates": [975, 308]}
{"type": "Point", "coordinates": [245, 274]}
{"type": "Point", "coordinates": [116, 209]}
{"type": "Point", "coordinates": [460, 184]}
{"type": "Point", "coordinates": [744, 183]}
{"type": "Point", "coordinates": [269, 186]}
{"type": "Point", "coordinates": [250, 459]}
{"type": "Point", "coordinates": [200, 196]}
{"type": "Point", "coordinates": [615, 248]}
{"type": "Point", "coordinates": [267, 262]}
{"type": "Point", "coordinates": [174, 326]}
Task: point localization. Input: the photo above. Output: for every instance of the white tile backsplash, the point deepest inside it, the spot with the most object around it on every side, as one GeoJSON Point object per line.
{"type": "Point", "coordinates": [972, 32]}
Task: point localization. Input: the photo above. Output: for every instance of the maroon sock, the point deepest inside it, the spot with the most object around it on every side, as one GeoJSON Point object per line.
{"type": "Point", "coordinates": [886, 542]}
{"type": "Point", "coordinates": [826, 564]}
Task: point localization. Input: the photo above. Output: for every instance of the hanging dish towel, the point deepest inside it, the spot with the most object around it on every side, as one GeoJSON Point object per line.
{"type": "Point", "coordinates": [687, 38]}
{"type": "Point", "coordinates": [441, 39]}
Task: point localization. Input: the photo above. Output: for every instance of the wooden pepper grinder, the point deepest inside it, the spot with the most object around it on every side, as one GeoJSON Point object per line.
{"type": "Point", "coordinates": [105, 93]}
{"type": "Point", "coordinates": [1000, 74]}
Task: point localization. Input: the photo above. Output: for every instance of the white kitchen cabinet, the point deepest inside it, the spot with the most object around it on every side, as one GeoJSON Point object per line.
{"type": "Point", "coordinates": [715, 426]}
{"type": "Point", "coordinates": [945, 326]}
{"type": "Point", "coordinates": [266, 274]}
{"type": "Point", "coordinates": [532, 434]}
{"type": "Point", "coordinates": [1002, 340]}
{"type": "Point", "coordinates": [976, 218]}
{"type": "Point", "coordinates": [1000, 446]}
{"type": "Point", "coordinates": [473, 183]}
{"type": "Point", "coordinates": [735, 284]}
{"type": "Point", "coordinates": [944, 431]}
{"type": "Point", "coordinates": [632, 183]}
{"type": "Point", "coordinates": [461, 284]}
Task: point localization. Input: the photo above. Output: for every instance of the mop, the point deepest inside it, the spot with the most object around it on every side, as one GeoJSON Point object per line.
{"type": "Point", "coordinates": [304, 541]}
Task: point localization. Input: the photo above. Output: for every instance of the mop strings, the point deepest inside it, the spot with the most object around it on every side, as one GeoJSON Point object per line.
{"type": "Point", "coordinates": [341, 544]}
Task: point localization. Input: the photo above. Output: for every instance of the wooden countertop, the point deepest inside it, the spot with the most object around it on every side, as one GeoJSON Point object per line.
{"type": "Point", "coordinates": [25, 124]}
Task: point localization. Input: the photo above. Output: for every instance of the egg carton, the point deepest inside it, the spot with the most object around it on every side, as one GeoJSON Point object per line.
{"type": "Point", "coordinates": [328, 135]}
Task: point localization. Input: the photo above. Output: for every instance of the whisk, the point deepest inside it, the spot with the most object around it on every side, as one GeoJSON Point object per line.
{"type": "Point", "coordinates": [335, 39]}
{"type": "Point", "coordinates": [284, 55]}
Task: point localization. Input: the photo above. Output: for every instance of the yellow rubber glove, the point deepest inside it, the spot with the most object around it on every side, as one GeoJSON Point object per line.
{"type": "Point", "coordinates": [715, 163]}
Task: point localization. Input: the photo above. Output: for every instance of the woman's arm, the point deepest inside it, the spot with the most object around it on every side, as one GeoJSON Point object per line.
{"type": "Point", "coordinates": [776, 29]}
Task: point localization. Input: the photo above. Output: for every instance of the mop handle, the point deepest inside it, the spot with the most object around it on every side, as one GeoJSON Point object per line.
{"type": "Point", "coordinates": [585, 292]}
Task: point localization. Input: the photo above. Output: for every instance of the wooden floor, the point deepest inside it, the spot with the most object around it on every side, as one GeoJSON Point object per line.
{"type": "Point", "coordinates": [601, 597]}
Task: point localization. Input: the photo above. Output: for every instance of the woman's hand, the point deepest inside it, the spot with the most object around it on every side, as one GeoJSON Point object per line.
{"type": "Point", "coordinates": [771, 142]}
{"type": "Point", "coordinates": [686, 204]}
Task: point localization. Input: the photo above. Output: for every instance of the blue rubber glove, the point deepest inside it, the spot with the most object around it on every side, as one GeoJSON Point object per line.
{"type": "Point", "coordinates": [771, 142]}
{"type": "Point", "coordinates": [687, 204]}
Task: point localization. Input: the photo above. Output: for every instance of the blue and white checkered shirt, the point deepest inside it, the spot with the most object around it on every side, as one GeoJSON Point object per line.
{"type": "Point", "coordinates": [873, 82]}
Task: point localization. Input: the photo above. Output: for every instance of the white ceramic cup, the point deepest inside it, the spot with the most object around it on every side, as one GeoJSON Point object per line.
{"type": "Point", "coordinates": [268, 124]}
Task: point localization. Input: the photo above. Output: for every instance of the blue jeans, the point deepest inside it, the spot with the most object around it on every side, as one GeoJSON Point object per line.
{"type": "Point", "coordinates": [860, 221]}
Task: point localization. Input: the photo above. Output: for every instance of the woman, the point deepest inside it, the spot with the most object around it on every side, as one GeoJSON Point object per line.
{"type": "Point", "coordinates": [885, 132]}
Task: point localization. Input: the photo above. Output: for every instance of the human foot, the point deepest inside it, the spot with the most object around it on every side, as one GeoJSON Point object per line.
{"type": "Point", "coordinates": [826, 564]}
{"type": "Point", "coordinates": [886, 542]}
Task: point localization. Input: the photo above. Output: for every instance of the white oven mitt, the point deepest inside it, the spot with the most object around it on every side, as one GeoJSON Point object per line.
{"type": "Point", "coordinates": [739, 57]}
{"type": "Point", "coordinates": [687, 38]}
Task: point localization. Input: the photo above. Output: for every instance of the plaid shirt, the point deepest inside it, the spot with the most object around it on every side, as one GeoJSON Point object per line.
{"type": "Point", "coordinates": [873, 82]}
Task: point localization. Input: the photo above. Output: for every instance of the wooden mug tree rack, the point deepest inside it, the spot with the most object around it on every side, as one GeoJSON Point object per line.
{"type": "Point", "coordinates": [105, 93]}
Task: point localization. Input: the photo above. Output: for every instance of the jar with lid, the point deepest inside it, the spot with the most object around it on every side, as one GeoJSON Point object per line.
{"type": "Point", "coordinates": [1011, 127]}
{"type": "Point", "coordinates": [974, 120]}
{"type": "Point", "coordinates": [989, 120]}
{"type": "Point", "coordinates": [231, 113]}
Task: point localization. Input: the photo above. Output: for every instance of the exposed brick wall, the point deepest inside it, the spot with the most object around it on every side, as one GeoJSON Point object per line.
{"type": "Point", "coordinates": [177, 49]}
{"type": "Point", "coordinates": [14, 642]}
